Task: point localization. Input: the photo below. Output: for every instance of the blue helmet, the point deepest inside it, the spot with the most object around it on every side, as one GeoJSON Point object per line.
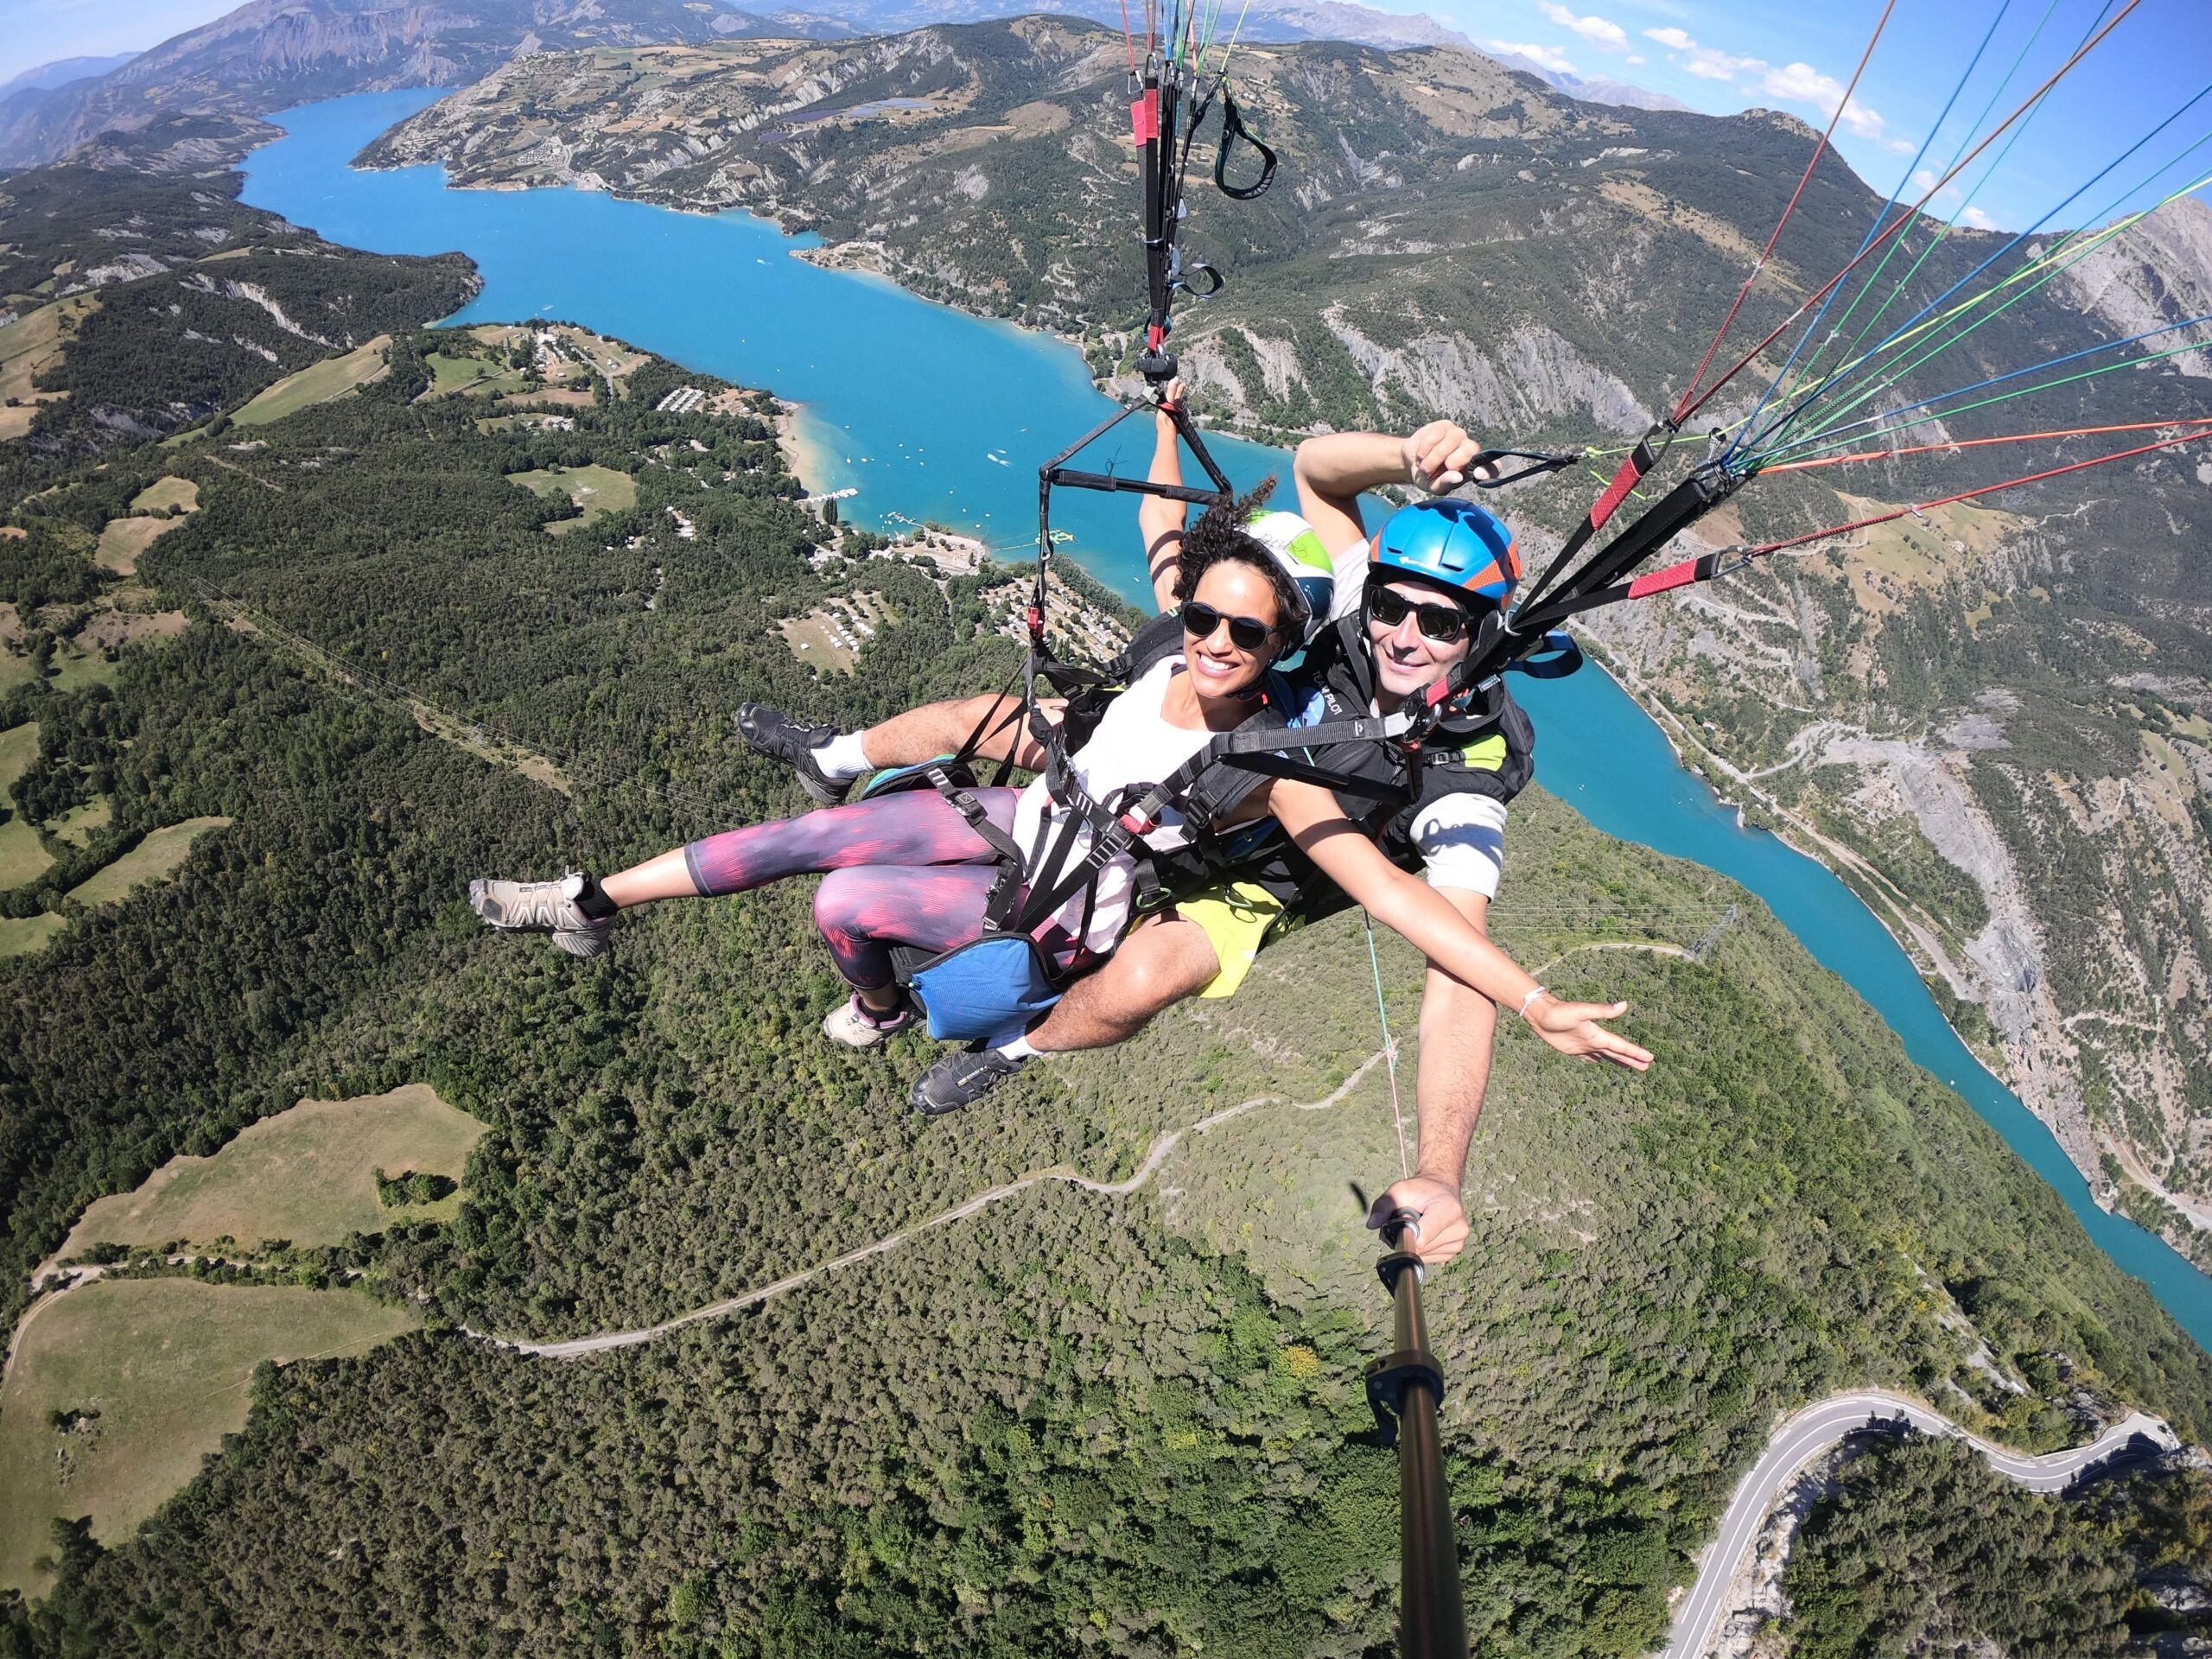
{"type": "Point", "coordinates": [1454, 543]}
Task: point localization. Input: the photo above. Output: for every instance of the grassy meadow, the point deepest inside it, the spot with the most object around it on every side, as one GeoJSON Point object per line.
{"type": "Point", "coordinates": [166, 1364]}
{"type": "Point", "coordinates": [305, 1175]}
{"type": "Point", "coordinates": [151, 859]}
{"type": "Point", "coordinates": [595, 492]}
{"type": "Point", "coordinates": [318, 383]}
{"type": "Point", "coordinates": [20, 936]}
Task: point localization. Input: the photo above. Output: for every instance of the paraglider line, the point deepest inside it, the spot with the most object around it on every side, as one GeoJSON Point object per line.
{"type": "Point", "coordinates": [1684, 408]}
{"type": "Point", "coordinates": [1691, 403]}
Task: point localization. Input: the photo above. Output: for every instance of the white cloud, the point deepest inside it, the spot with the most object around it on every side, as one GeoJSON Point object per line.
{"type": "Point", "coordinates": [1635, 57]}
{"type": "Point", "coordinates": [1603, 31]}
{"type": "Point", "coordinates": [1800, 83]}
{"type": "Point", "coordinates": [1978, 220]}
{"type": "Point", "coordinates": [1924, 179]}
{"type": "Point", "coordinates": [1706, 62]}
{"type": "Point", "coordinates": [1554, 61]}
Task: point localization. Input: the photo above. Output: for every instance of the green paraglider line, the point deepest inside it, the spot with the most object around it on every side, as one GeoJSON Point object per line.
{"type": "Point", "coordinates": [1936, 240]}
{"type": "Point", "coordinates": [1880, 220]}
{"type": "Point", "coordinates": [1694, 400]}
{"type": "Point", "coordinates": [2072, 255]}
{"type": "Point", "coordinates": [1765, 460]}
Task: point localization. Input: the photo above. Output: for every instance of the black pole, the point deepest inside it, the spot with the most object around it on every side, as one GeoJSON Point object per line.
{"type": "Point", "coordinates": [1405, 1388]}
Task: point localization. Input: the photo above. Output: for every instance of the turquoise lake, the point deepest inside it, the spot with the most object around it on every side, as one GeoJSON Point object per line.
{"type": "Point", "coordinates": [933, 414]}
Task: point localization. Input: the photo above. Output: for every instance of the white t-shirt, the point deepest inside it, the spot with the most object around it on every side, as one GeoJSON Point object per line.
{"type": "Point", "coordinates": [1461, 838]}
{"type": "Point", "coordinates": [1135, 744]}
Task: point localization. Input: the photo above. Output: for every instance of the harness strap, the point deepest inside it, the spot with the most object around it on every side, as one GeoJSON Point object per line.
{"type": "Point", "coordinates": [972, 809]}
{"type": "Point", "coordinates": [1232, 129]}
{"type": "Point", "coordinates": [1540, 462]}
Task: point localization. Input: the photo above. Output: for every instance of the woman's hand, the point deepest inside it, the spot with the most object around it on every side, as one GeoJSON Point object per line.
{"type": "Point", "coordinates": [1573, 1028]}
{"type": "Point", "coordinates": [1178, 397]}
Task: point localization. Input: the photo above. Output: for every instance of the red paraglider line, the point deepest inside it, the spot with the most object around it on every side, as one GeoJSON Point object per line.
{"type": "Point", "coordinates": [1689, 407]}
{"type": "Point", "coordinates": [1750, 553]}
{"type": "Point", "coordinates": [1979, 443]}
{"type": "Point", "coordinates": [1681, 412]}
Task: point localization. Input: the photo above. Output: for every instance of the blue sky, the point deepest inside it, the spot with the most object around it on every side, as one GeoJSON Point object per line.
{"type": "Point", "coordinates": [1719, 56]}
{"type": "Point", "coordinates": [1725, 56]}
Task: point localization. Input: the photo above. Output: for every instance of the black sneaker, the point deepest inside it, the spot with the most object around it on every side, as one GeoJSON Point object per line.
{"type": "Point", "coordinates": [774, 734]}
{"type": "Point", "coordinates": [960, 1080]}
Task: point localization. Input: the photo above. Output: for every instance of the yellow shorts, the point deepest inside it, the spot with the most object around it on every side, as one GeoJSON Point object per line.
{"type": "Point", "coordinates": [1238, 919]}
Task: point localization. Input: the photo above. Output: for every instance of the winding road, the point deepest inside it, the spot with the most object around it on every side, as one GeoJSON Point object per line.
{"type": "Point", "coordinates": [1823, 1424]}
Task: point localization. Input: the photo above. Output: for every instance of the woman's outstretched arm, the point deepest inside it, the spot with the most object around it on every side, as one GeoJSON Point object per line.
{"type": "Point", "coordinates": [1160, 521]}
{"type": "Point", "coordinates": [1410, 906]}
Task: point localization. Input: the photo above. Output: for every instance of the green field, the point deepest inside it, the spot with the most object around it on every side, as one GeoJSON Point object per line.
{"type": "Point", "coordinates": [318, 383]}
{"type": "Point", "coordinates": [473, 374]}
{"type": "Point", "coordinates": [75, 668]}
{"type": "Point", "coordinates": [30, 346]}
{"type": "Point", "coordinates": [28, 934]}
{"type": "Point", "coordinates": [165, 492]}
{"type": "Point", "coordinates": [305, 1175]}
{"type": "Point", "coordinates": [22, 859]}
{"type": "Point", "coordinates": [124, 542]}
{"type": "Point", "coordinates": [597, 490]}
{"type": "Point", "coordinates": [149, 860]}
{"type": "Point", "coordinates": [79, 824]}
{"type": "Point", "coordinates": [166, 1364]}
{"type": "Point", "coordinates": [21, 856]}
{"type": "Point", "coordinates": [18, 748]}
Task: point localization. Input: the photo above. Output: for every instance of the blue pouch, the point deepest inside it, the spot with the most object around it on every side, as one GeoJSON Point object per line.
{"type": "Point", "coordinates": [985, 992]}
{"type": "Point", "coordinates": [897, 780]}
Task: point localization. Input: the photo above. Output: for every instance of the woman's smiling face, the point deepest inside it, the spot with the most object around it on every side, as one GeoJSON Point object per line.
{"type": "Point", "coordinates": [1219, 666]}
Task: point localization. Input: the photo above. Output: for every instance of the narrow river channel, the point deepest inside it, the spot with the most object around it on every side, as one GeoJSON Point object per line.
{"type": "Point", "coordinates": [934, 415]}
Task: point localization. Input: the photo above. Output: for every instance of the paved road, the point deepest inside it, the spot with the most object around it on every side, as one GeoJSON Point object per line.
{"type": "Point", "coordinates": [580, 1346]}
{"type": "Point", "coordinates": [1812, 1432]}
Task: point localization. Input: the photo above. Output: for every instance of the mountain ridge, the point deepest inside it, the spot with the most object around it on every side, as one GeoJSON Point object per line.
{"type": "Point", "coordinates": [267, 54]}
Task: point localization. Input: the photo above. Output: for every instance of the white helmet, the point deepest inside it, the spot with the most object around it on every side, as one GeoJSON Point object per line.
{"type": "Point", "coordinates": [1297, 548]}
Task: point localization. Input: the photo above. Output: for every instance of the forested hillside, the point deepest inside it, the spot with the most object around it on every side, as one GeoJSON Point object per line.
{"type": "Point", "coordinates": [1074, 1420]}
{"type": "Point", "coordinates": [138, 296]}
{"type": "Point", "coordinates": [1947, 709]}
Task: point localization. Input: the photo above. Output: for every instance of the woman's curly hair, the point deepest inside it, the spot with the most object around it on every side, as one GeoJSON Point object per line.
{"type": "Point", "coordinates": [1219, 537]}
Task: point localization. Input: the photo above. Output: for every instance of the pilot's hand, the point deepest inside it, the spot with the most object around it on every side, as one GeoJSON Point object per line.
{"type": "Point", "coordinates": [1573, 1028]}
{"type": "Point", "coordinates": [1443, 1225]}
{"type": "Point", "coordinates": [1439, 455]}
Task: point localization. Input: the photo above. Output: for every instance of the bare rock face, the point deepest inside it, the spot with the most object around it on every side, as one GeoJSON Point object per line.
{"type": "Point", "coordinates": [2158, 271]}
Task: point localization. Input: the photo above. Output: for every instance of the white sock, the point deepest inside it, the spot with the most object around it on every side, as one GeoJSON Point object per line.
{"type": "Point", "coordinates": [841, 758]}
{"type": "Point", "coordinates": [1018, 1049]}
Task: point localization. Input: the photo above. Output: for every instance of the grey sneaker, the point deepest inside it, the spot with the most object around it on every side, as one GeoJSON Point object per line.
{"type": "Point", "coordinates": [543, 907]}
{"type": "Point", "coordinates": [771, 733]}
{"type": "Point", "coordinates": [855, 1025]}
{"type": "Point", "coordinates": [960, 1080]}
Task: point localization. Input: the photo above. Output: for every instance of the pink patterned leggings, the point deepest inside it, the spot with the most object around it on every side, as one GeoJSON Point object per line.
{"type": "Point", "coordinates": [902, 869]}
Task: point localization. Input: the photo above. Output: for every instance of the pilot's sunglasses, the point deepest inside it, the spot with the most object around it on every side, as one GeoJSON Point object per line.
{"type": "Point", "coordinates": [1245, 632]}
{"type": "Point", "coordinates": [1444, 624]}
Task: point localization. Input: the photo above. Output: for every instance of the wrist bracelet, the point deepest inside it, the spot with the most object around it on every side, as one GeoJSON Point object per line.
{"type": "Point", "coordinates": [1534, 991]}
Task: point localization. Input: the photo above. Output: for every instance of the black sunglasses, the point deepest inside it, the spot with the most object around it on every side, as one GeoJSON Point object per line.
{"type": "Point", "coordinates": [1245, 632]}
{"type": "Point", "coordinates": [1444, 624]}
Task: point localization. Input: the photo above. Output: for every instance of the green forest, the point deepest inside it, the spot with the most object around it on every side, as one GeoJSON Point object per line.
{"type": "Point", "coordinates": [1073, 1421]}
